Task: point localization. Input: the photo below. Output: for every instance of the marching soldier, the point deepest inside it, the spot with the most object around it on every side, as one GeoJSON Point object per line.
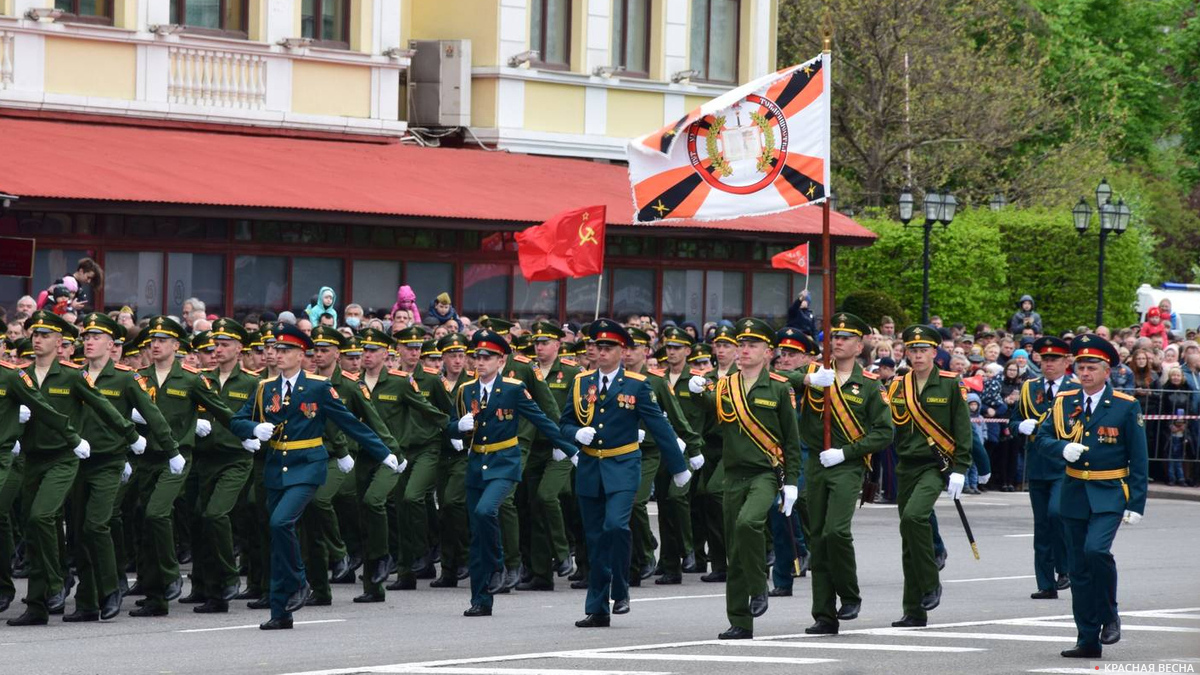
{"type": "Point", "coordinates": [756, 417]}
{"type": "Point", "coordinates": [933, 445]}
{"type": "Point", "coordinates": [1044, 471]}
{"type": "Point", "coordinates": [724, 349]}
{"type": "Point", "coordinates": [861, 426]}
{"type": "Point", "coordinates": [485, 417]}
{"type": "Point", "coordinates": [1101, 435]}
{"type": "Point", "coordinates": [289, 412]}
{"type": "Point", "coordinates": [452, 472]}
{"type": "Point", "coordinates": [607, 404]}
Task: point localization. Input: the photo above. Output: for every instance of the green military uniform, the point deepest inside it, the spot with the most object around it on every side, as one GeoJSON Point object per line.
{"type": "Point", "coordinates": [708, 520]}
{"type": "Point", "coordinates": [761, 451]}
{"type": "Point", "coordinates": [453, 529]}
{"type": "Point", "coordinates": [933, 440]}
{"type": "Point", "coordinates": [860, 425]}
{"type": "Point", "coordinates": [180, 396]}
{"type": "Point", "coordinates": [345, 502]}
{"type": "Point", "coordinates": [52, 461]}
{"type": "Point", "coordinates": [257, 553]}
{"type": "Point", "coordinates": [546, 482]}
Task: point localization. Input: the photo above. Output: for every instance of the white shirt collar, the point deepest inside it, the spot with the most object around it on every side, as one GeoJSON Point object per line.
{"type": "Point", "coordinates": [488, 387]}
{"type": "Point", "coordinates": [291, 380]}
{"type": "Point", "coordinates": [1094, 398]}
{"type": "Point", "coordinates": [612, 376]}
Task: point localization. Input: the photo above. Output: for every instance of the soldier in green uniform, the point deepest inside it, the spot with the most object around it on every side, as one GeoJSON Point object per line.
{"type": "Point", "coordinates": [933, 445]}
{"type": "Point", "coordinates": [94, 495]}
{"type": "Point", "coordinates": [345, 502]}
{"type": "Point", "coordinates": [756, 416]}
{"type": "Point", "coordinates": [180, 392]}
{"type": "Point", "coordinates": [548, 482]}
{"type": "Point", "coordinates": [52, 452]}
{"type": "Point", "coordinates": [1102, 436]}
{"type": "Point", "coordinates": [425, 435]}
{"type": "Point", "coordinates": [452, 473]}
{"type": "Point", "coordinates": [860, 425]}
{"type": "Point", "coordinates": [725, 349]}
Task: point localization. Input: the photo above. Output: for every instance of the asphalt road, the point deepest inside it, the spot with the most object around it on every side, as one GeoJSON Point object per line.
{"type": "Point", "coordinates": [986, 622]}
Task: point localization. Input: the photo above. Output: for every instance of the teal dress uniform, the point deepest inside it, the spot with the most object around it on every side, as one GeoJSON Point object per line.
{"type": "Point", "coordinates": [296, 464]}
{"type": "Point", "coordinates": [1108, 479]}
{"type": "Point", "coordinates": [494, 466]}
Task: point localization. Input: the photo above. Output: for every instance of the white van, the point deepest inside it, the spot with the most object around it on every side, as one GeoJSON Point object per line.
{"type": "Point", "coordinates": [1185, 301]}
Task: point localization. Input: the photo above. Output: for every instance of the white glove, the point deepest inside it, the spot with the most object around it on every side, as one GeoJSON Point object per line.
{"type": "Point", "coordinates": [402, 467]}
{"type": "Point", "coordinates": [345, 464]}
{"type": "Point", "coordinates": [575, 459]}
{"type": "Point", "coordinates": [136, 416]}
{"type": "Point", "coordinates": [1027, 427]}
{"type": "Point", "coordinates": [984, 478]}
{"type": "Point", "coordinates": [466, 423]}
{"type": "Point", "coordinates": [955, 486]}
{"type": "Point", "coordinates": [697, 384]}
{"type": "Point", "coordinates": [251, 445]}
{"type": "Point", "coordinates": [126, 473]}
{"type": "Point", "coordinates": [822, 377]}
{"type": "Point", "coordinates": [682, 445]}
{"type": "Point", "coordinates": [16, 448]}
{"type": "Point", "coordinates": [1073, 451]}
{"type": "Point", "coordinates": [138, 446]}
{"type": "Point", "coordinates": [175, 465]}
{"type": "Point", "coordinates": [696, 463]}
{"type": "Point", "coordinates": [558, 455]}
{"type": "Point", "coordinates": [682, 478]}
{"type": "Point", "coordinates": [1132, 517]}
{"type": "Point", "coordinates": [790, 494]}
{"type": "Point", "coordinates": [203, 428]}
{"type": "Point", "coordinates": [832, 457]}
{"type": "Point", "coordinates": [392, 463]}
{"type": "Point", "coordinates": [23, 414]}
{"type": "Point", "coordinates": [585, 435]}
{"type": "Point", "coordinates": [641, 435]}
{"type": "Point", "coordinates": [457, 444]}
{"type": "Point", "coordinates": [83, 450]}
{"type": "Point", "coordinates": [264, 431]}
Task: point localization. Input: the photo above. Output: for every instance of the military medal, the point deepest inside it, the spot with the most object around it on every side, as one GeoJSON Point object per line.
{"type": "Point", "coordinates": [591, 395]}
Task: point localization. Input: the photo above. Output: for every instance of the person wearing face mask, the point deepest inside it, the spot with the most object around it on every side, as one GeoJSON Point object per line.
{"type": "Point", "coordinates": [353, 315]}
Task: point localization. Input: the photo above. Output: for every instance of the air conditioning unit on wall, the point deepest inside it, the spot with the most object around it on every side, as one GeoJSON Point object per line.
{"type": "Point", "coordinates": [439, 83]}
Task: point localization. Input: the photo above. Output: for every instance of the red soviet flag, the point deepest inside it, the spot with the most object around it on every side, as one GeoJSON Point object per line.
{"type": "Point", "coordinates": [571, 244]}
{"type": "Point", "coordinates": [796, 259]}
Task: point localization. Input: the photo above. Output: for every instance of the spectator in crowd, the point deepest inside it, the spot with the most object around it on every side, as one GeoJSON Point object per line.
{"type": "Point", "coordinates": [1121, 376]}
{"type": "Point", "coordinates": [304, 324]}
{"type": "Point", "coordinates": [58, 295]}
{"type": "Point", "coordinates": [882, 349]}
{"type": "Point", "coordinates": [287, 317]}
{"type": "Point", "coordinates": [192, 309]}
{"type": "Point", "coordinates": [1169, 318]}
{"type": "Point", "coordinates": [692, 329]}
{"type": "Point", "coordinates": [26, 305]}
{"type": "Point", "coordinates": [322, 303]}
{"type": "Point", "coordinates": [441, 309]}
{"type": "Point", "coordinates": [887, 327]}
{"type": "Point", "coordinates": [401, 319]}
{"type": "Point", "coordinates": [1025, 317]}
{"type": "Point", "coordinates": [885, 368]}
{"type": "Point", "coordinates": [327, 319]}
{"type": "Point", "coordinates": [799, 315]}
{"type": "Point", "coordinates": [1154, 328]}
{"type": "Point", "coordinates": [1020, 357]}
{"type": "Point", "coordinates": [1004, 461]}
{"type": "Point", "coordinates": [1180, 447]}
{"type": "Point", "coordinates": [936, 321]}
{"type": "Point", "coordinates": [1177, 398]}
{"type": "Point", "coordinates": [16, 329]}
{"type": "Point", "coordinates": [353, 315]}
{"type": "Point", "coordinates": [991, 354]}
{"type": "Point", "coordinates": [126, 319]}
{"type": "Point", "coordinates": [406, 300]}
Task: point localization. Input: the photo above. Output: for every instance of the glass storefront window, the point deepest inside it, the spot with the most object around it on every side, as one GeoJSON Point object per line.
{"type": "Point", "coordinates": [633, 292]}
{"type": "Point", "coordinates": [683, 295]}
{"type": "Point", "coordinates": [485, 290]}
{"type": "Point", "coordinates": [769, 297]}
{"type": "Point", "coordinates": [375, 284]}
{"type": "Point", "coordinates": [309, 275]}
{"type": "Point", "coordinates": [259, 284]}
{"type": "Point", "coordinates": [428, 280]}
{"type": "Point", "coordinates": [724, 298]}
{"type": "Point", "coordinates": [135, 280]}
{"type": "Point", "coordinates": [581, 299]}
{"type": "Point", "coordinates": [195, 275]}
{"type": "Point", "coordinates": [531, 300]}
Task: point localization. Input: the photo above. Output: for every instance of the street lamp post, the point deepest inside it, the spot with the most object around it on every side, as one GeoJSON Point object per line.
{"type": "Point", "coordinates": [1114, 218]}
{"type": "Point", "coordinates": [939, 208]}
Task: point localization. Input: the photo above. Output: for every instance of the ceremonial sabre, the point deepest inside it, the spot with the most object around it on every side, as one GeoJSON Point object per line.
{"type": "Point", "coordinates": [967, 526]}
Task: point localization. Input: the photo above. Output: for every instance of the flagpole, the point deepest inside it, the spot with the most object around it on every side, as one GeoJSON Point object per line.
{"type": "Point", "coordinates": [827, 273]}
{"type": "Point", "coordinates": [599, 290]}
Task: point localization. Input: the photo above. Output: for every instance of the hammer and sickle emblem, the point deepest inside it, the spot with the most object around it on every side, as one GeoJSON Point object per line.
{"type": "Point", "coordinates": [586, 233]}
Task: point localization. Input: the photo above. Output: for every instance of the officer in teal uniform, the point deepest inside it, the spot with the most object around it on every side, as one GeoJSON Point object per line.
{"type": "Point", "coordinates": [1044, 472]}
{"type": "Point", "coordinates": [602, 414]}
{"type": "Point", "coordinates": [487, 412]}
{"type": "Point", "coordinates": [1102, 436]}
{"type": "Point", "coordinates": [288, 415]}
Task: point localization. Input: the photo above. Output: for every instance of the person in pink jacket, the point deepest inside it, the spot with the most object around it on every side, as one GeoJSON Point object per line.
{"type": "Point", "coordinates": [406, 299]}
{"type": "Point", "coordinates": [1154, 328]}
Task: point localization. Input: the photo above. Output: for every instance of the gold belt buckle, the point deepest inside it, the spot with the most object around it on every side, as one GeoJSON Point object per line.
{"type": "Point", "coordinates": [1086, 473]}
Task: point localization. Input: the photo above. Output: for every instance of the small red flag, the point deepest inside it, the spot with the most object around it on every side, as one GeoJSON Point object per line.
{"type": "Point", "coordinates": [571, 244]}
{"type": "Point", "coordinates": [795, 259]}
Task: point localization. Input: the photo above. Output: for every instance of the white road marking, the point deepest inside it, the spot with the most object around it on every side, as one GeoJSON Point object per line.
{"type": "Point", "coordinates": [1013, 637]}
{"type": "Point", "coordinates": [1066, 671]}
{"type": "Point", "coordinates": [963, 581]}
{"type": "Point", "coordinates": [678, 597]}
{"type": "Point", "coordinates": [450, 670]}
{"type": "Point", "coordinates": [1019, 535]}
{"type": "Point", "coordinates": [254, 625]}
{"type": "Point", "coordinates": [1163, 615]}
{"type": "Point", "coordinates": [708, 658]}
{"type": "Point", "coordinates": [828, 644]}
{"type": "Point", "coordinates": [1124, 627]}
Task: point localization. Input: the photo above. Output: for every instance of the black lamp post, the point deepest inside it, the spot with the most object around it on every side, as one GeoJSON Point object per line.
{"type": "Point", "coordinates": [939, 208]}
{"type": "Point", "coordinates": [1114, 218]}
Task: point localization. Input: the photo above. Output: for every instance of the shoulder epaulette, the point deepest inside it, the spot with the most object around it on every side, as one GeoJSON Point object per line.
{"type": "Point", "coordinates": [68, 364]}
{"type": "Point", "coordinates": [696, 372]}
{"type": "Point", "coordinates": [947, 373]}
{"type": "Point", "coordinates": [319, 378]}
{"type": "Point", "coordinates": [777, 377]}
{"type": "Point", "coordinates": [569, 362]}
{"type": "Point", "coordinates": [125, 368]}
{"type": "Point", "coordinates": [521, 358]}
{"type": "Point", "coordinates": [431, 371]}
{"type": "Point", "coordinates": [1123, 396]}
{"type": "Point", "coordinates": [256, 373]}
{"type": "Point", "coordinates": [269, 379]}
{"type": "Point", "coordinates": [659, 372]}
{"type": "Point", "coordinates": [1068, 392]}
{"type": "Point", "coordinates": [190, 369]}
{"type": "Point", "coordinates": [511, 380]}
{"type": "Point", "coordinates": [635, 376]}
{"type": "Point", "coordinates": [6, 364]}
{"type": "Point", "coordinates": [870, 376]}
{"type": "Point", "coordinates": [398, 373]}
{"type": "Point", "coordinates": [353, 377]}
{"type": "Point", "coordinates": [585, 373]}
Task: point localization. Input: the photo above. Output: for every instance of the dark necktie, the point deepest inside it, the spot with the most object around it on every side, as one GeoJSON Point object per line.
{"type": "Point", "coordinates": [1049, 390]}
{"type": "Point", "coordinates": [604, 385]}
{"type": "Point", "coordinates": [1087, 408]}
{"type": "Point", "coordinates": [287, 392]}
{"type": "Point", "coordinates": [483, 395]}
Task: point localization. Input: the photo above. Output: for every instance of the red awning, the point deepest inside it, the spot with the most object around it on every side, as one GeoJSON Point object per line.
{"type": "Point", "coordinates": [116, 162]}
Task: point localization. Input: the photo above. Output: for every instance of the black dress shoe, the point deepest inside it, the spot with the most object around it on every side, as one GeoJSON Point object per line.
{"type": "Point", "coordinates": [110, 607]}
{"type": "Point", "coordinates": [248, 594]}
{"type": "Point", "coordinates": [262, 603]}
{"type": "Point", "coordinates": [940, 559]}
{"type": "Point", "coordinates": [579, 585]}
{"type": "Point", "coordinates": [426, 572]}
{"type": "Point", "coordinates": [822, 627]}
{"type": "Point", "coordinates": [344, 576]}
{"type": "Point", "coordinates": [379, 569]}
{"type": "Point", "coordinates": [524, 574]}
{"type": "Point", "coordinates": [849, 611]}
{"type": "Point", "coordinates": [81, 615]}
{"type": "Point", "coordinates": [463, 572]}
{"type": "Point", "coordinates": [174, 590]}
{"type": "Point", "coordinates": [444, 581]}
{"type": "Point", "coordinates": [565, 568]}
{"type": "Point", "coordinates": [1110, 634]}
{"type": "Point", "coordinates": [714, 577]}
{"type": "Point", "coordinates": [621, 606]}
{"type": "Point", "coordinates": [496, 582]}
{"type": "Point", "coordinates": [689, 563]}
{"type": "Point", "coordinates": [635, 581]}
{"type": "Point", "coordinates": [314, 601]}
{"type": "Point", "coordinates": [646, 571]}
{"type": "Point", "coordinates": [780, 593]}
{"type": "Point", "coordinates": [577, 575]}
{"type": "Point", "coordinates": [1044, 595]}
{"type": "Point", "coordinates": [758, 605]}
{"type": "Point", "coordinates": [212, 607]}
{"type": "Point", "coordinates": [193, 598]}
{"type": "Point", "coordinates": [403, 584]}
{"type": "Point", "coordinates": [135, 589]}
{"type": "Point", "coordinates": [536, 584]}
{"type": "Point", "coordinates": [122, 584]}
{"type": "Point", "coordinates": [141, 612]}
{"type": "Point", "coordinates": [735, 633]}
{"type": "Point", "coordinates": [369, 597]}
{"type": "Point", "coordinates": [770, 558]}
{"type": "Point", "coordinates": [276, 624]}
{"type": "Point", "coordinates": [230, 592]}
{"type": "Point", "coordinates": [658, 569]}
{"type": "Point", "coordinates": [340, 568]}
{"type": "Point", "coordinates": [57, 603]}
{"type": "Point", "coordinates": [1081, 652]}
{"type": "Point", "coordinates": [594, 621]}
{"type": "Point", "coordinates": [907, 621]}
{"type": "Point", "coordinates": [804, 563]}
{"type": "Point", "coordinates": [5, 601]}
{"type": "Point", "coordinates": [932, 599]}
{"type": "Point", "coordinates": [296, 600]}
{"type": "Point", "coordinates": [1063, 582]}
{"type": "Point", "coordinates": [478, 610]}
{"type": "Point", "coordinates": [511, 579]}
{"type": "Point", "coordinates": [184, 556]}
{"type": "Point", "coordinates": [355, 562]}
{"type": "Point", "coordinates": [29, 619]}
{"type": "Point", "coordinates": [669, 579]}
